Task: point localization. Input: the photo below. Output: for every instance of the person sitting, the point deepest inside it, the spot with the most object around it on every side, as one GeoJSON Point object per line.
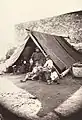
{"type": "Point", "coordinates": [54, 77]}
{"type": "Point", "coordinates": [36, 56]}
{"type": "Point", "coordinates": [48, 66]}
{"type": "Point", "coordinates": [50, 72]}
{"type": "Point", "coordinates": [36, 72]}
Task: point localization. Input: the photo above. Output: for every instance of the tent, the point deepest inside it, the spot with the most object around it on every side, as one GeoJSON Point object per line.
{"type": "Point", "coordinates": [60, 51]}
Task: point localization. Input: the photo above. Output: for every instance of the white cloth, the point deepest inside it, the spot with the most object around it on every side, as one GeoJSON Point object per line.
{"type": "Point", "coordinates": [36, 69]}
{"type": "Point", "coordinates": [31, 61]}
{"type": "Point", "coordinates": [49, 64]}
{"type": "Point", "coordinates": [24, 62]}
{"type": "Point", "coordinates": [54, 75]}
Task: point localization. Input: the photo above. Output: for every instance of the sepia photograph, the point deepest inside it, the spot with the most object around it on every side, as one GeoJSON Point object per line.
{"type": "Point", "coordinates": [41, 60]}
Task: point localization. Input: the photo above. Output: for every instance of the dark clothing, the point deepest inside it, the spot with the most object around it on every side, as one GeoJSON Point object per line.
{"type": "Point", "coordinates": [21, 69]}
{"type": "Point", "coordinates": [14, 69]}
{"type": "Point", "coordinates": [47, 75]}
{"type": "Point", "coordinates": [38, 56]}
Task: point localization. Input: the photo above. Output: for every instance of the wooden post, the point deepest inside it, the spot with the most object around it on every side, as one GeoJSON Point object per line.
{"type": "Point", "coordinates": [65, 72]}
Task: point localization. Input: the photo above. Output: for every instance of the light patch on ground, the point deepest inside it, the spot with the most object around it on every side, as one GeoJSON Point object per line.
{"type": "Point", "coordinates": [18, 100]}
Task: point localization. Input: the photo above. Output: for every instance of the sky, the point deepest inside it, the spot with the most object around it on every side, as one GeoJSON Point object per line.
{"type": "Point", "coordinates": [17, 11]}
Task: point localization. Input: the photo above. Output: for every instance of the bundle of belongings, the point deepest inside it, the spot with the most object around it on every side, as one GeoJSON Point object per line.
{"type": "Point", "coordinates": [42, 70]}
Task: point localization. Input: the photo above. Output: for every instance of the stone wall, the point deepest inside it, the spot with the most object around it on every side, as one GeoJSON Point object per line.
{"type": "Point", "coordinates": [64, 25]}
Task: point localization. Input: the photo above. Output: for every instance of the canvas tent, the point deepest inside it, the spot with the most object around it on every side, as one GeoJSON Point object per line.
{"type": "Point", "coordinates": [62, 54]}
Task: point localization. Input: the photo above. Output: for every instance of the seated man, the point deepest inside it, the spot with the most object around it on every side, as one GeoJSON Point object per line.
{"type": "Point", "coordinates": [36, 56]}
{"type": "Point", "coordinates": [36, 72]}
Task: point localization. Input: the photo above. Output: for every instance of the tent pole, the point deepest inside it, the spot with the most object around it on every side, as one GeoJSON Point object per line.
{"type": "Point", "coordinates": [37, 44]}
{"type": "Point", "coordinates": [29, 33]}
{"type": "Point", "coordinates": [42, 50]}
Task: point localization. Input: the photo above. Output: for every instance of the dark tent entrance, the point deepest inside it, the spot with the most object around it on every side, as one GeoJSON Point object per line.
{"type": "Point", "coordinates": [62, 54]}
{"type": "Point", "coordinates": [25, 55]}
{"type": "Point", "coordinates": [28, 50]}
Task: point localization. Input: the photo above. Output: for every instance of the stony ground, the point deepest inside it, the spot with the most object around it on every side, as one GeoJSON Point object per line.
{"type": "Point", "coordinates": [50, 95]}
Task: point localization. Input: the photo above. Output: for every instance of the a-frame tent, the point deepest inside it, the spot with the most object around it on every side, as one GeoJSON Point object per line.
{"type": "Point", "coordinates": [62, 54]}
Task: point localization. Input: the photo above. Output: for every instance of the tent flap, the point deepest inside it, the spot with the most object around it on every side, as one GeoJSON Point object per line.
{"type": "Point", "coordinates": [53, 48]}
{"type": "Point", "coordinates": [16, 54]}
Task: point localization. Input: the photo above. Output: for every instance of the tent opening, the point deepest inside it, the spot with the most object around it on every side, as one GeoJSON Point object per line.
{"type": "Point", "coordinates": [19, 66]}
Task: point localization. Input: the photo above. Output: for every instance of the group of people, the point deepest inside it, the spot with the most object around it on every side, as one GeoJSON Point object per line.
{"type": "Point", "coordinates": [41, 68]}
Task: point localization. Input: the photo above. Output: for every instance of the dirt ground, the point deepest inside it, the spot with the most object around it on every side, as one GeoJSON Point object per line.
{"type": "Point", "coordinates": [50, 96]}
